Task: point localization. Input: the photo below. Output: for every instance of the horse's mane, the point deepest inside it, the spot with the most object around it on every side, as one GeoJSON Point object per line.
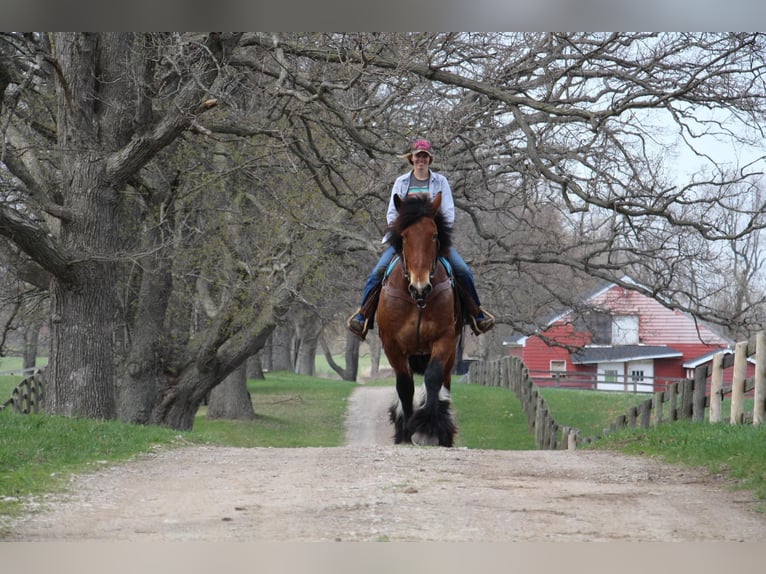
{"type": "Point", "coordinates": [412, 209]}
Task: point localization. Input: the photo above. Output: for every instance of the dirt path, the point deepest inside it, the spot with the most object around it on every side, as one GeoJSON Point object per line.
{"type": "Point", "coordinates": [370, 490]}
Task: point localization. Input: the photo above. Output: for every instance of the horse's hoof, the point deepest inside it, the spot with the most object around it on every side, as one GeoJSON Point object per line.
{"type": "Point", "coordinates": [423, 439]}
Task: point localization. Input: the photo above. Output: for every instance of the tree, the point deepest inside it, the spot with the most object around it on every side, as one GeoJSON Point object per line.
{"type": "Point", "coordinates": [96, 134]}
{"type": "Point", "coordinates": [230, 399]}
{"type": "Point", "coordinates": [146, 176]}
{"type": "Point", "coordinates": [584, 126]}
{"type": "Point", "coordinates": [87, 121]}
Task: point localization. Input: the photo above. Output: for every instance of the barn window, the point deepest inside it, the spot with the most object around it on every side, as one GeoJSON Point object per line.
{"type": "Point", "coordinates": [625, 330]}
{"type": "Point", "coordinates": [598, 324]}
{"type": "Point", "coordinates": [606, 329]}
{"type": "Point", "coordinates": [558, 368]}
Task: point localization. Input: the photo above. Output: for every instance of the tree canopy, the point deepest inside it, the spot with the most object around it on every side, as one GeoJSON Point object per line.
{"type": "Point", "coordinates": [178, 195]}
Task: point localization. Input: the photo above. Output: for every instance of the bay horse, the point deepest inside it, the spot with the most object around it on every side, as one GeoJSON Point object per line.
{"type": "Point", "coordinates": [418, 322]}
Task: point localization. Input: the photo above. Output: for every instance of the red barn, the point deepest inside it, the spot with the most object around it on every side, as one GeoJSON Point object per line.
{"type": "Point", "coordinates": [618, 339]}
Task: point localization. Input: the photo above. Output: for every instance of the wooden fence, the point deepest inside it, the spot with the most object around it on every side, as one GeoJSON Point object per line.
{"type": "Point", "coordinates": [28, 395]}
{"type": "Point", "coordinates": [686, 399]}
{"type": "Point", "coordinates": [510, 373]}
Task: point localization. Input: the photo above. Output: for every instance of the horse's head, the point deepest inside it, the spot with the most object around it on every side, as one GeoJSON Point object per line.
{"type": "Point", "coordinates": [419, 234]}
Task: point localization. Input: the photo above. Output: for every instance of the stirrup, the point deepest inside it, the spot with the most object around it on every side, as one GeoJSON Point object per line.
{"type": "Point", "coordinates": [354, 326]}
{"type": "Point", "coordinates": [479, 328]}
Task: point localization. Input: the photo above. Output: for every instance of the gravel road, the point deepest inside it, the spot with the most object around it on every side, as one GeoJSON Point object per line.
{"type": "Point", "coordinates": [371, 490]}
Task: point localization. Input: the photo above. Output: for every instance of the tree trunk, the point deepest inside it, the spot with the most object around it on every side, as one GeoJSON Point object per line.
{"type": "Point", "coordinates": [142, 376]}
{"type": "Point", "coordinates": [181, 399]}
{"type": "Point", "coordinates": [81, 370]}
{"type": "Point", "coordinates": [351, 356]}
{"type": "Point", "coordinates": [31, 337]}
{"type": "Point", "coordinates": [307, 335]}
{"type": "Point", "coordinates": [280, 350]}
{"type": "Point", "coordinates": [216, 357]}
{"type": "Point", "coordinates": [231, 399]}
{"type": "Point", "coordinates": [255, 367]}
{"type": "Point", "coordinates": [375, 350]}
{"type": "Point", "coordinates": [106, 135]}
{"type": "Point", "coordinates": [183, 394]}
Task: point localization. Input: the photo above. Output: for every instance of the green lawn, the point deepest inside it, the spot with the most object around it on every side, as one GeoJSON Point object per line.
{"type": "Point", "coordinates": [491, 418]}
{"type": "Point", "coordinates": [589, 411]}
{"type": "Point", "coordinates": [39, 452]}
{"type": "Point", "coordinates": [291, 411]}
{"type": "Point", "coordinates": [738, 451]}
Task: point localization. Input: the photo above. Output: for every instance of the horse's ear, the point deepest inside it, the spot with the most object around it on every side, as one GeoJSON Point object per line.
{"type": "Point", "coordinates": [397, 202]}
{"type": "Point", "coordinates": [436, 203]}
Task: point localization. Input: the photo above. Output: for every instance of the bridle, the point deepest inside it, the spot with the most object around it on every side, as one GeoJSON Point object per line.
{"type": "Point", "coordinates": [405, 269]}
{"type": "Point", "coordinates": [421, 303]}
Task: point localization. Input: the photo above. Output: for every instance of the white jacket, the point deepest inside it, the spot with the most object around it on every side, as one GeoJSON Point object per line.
{"type": "Point", "coordinates": [437, 183]}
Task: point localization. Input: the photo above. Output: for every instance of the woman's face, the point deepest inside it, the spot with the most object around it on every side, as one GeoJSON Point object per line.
{"type": "Point", "coordinates": [421, 159]}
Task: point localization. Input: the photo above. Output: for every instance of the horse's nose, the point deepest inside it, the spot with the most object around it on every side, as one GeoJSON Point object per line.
{"type": "Point", "coordinates": [420, 293]}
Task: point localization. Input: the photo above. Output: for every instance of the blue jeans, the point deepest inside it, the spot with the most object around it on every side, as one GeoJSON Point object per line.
{"type": "Point", "coordinates": [459, 267]}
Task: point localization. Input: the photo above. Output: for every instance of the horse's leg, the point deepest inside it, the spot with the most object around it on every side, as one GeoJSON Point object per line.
{"type": "Point", "coordinates": [435, 419]}
{"type": "Point", "coordinates": [448, 428]}
{"type": "Point", "coordinates": [401, 411]}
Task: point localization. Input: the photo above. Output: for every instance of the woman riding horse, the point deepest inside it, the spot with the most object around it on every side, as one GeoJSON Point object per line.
{"type": "Point", "coordinates": [421, 180]}
{"type": "Point", "coordinates": [418, 322]}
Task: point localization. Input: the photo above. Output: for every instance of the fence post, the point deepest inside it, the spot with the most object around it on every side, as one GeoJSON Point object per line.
{"type": "Point", "coordinates": [738, 383]}
{"type": "Point", "coordinates": [672, 400]}
{"type": "Point", "coordinates": [572, 439]}
{"type": "Point", "coordinates": [657, 407]}
{"type": "Point", "coordinates": [716, 383]}
{"type": "Point", "coordinates": [759, 398]}
{"type": "Point", "coordinates": [644, 413]}
{"type": "Point", "coordinates": [698, 396]}
{"type": "Point", "coordinates": [687, 403]}
{"type": "Point", "coordinates": [539, 422]}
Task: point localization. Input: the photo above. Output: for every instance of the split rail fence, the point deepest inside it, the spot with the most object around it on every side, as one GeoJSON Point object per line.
{"type": "Point", "coordinates": [687, 399]}
{"type": "Point", "coordinates": [28, 395]}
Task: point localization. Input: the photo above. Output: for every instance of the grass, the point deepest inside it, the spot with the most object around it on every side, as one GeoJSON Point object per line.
{"type": "Point", "coordinates": [589, 411]}
{"type": "Point", "coordinates": [490, 418]}
{"type": "Point", "coordinates": [39, 452]}
{"type": "Point", "coordinates": [292, 411]}
{"type": "Point", "coordinates": [738, 451]}
{"type": "Point", "coordinates": [7, 384]}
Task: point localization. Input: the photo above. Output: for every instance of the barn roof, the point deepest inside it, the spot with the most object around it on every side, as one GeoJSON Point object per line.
{"type": "Point", "coordinates": [623, 353]}
{"type": "Point", "coordinates": [708, 357]}
{"type": "Point", "coordinates": [551, 319]}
